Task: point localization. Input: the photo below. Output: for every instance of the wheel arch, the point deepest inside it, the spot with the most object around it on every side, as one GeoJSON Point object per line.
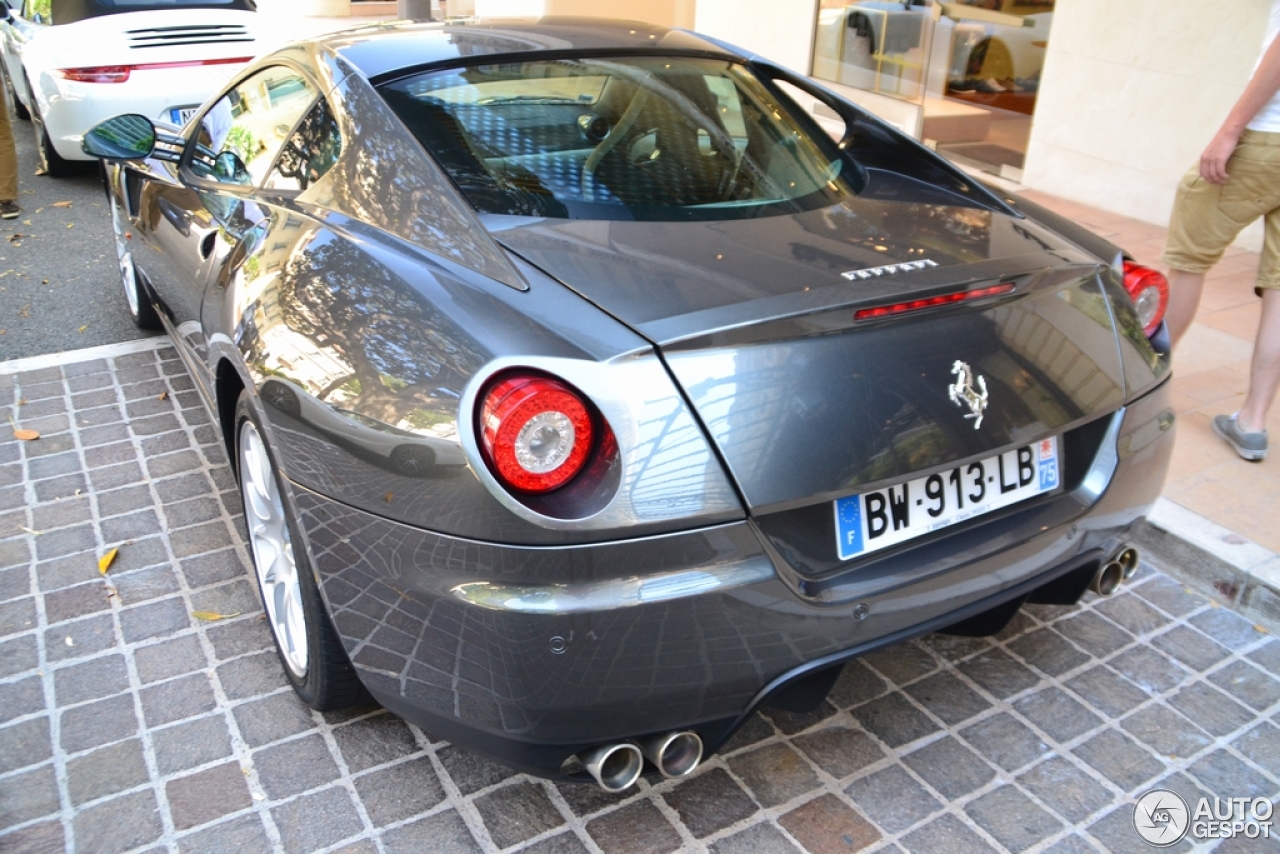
{"type": "Point", "coordinates": [227, 385]}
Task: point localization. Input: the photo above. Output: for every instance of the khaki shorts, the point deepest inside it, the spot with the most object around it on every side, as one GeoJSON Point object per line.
{"type": "Point", "coordinates": [1208, 217]}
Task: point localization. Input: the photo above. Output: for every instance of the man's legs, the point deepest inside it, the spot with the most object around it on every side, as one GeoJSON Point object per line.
{"type": "Point", "coordinates": [8, 156]}
{"type": "Point", "coordinates": [1264, 372]}
{"type": "Point", "coordinates": [1184, 298]}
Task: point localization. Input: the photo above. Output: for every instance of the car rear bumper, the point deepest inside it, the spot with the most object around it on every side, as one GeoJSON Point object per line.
{"type": "Point", "coordinates": [533, 654]}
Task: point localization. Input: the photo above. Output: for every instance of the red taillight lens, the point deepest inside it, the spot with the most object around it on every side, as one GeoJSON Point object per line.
{"type": "Point", "coordinates": [97, 74]}
{"type": "Point", "coordinates": [120, 73]}
{"type": "Point", "coordinates": [932, 302]}
{"type": "Point", "coordinates": [1150, 292]}
{"type": "Point", "coordinates": [537, 432]}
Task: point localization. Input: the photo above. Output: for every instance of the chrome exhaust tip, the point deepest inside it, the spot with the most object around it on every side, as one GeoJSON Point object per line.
{"type": "Point", "coordinates": [675, 754]}
{"type": "Point", "coordinates": [1108, 579]}
{"type": "Point", "coordinates": [614, 766]}
{"type": "Point", "coordinates": [1128, 560]}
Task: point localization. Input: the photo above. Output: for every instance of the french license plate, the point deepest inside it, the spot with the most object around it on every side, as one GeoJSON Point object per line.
{"type": "Point", "coordinates": [885, 517]}
{"type": "Point", "coordinates": [181, 115]}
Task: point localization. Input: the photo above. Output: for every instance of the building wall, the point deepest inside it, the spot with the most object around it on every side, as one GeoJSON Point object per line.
{"type": "Point", "coordinates": [1132, 92]}
{"type": "Point", "coordinates": [670, 13]}
{"type": "Point", "coordinates": [781, 30]}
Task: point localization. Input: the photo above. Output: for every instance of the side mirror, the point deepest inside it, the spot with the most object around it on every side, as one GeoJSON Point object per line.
{"type": "Point", "coordinates": [127, 137]}
{"type": "Point", "coordinates": [229, 168]}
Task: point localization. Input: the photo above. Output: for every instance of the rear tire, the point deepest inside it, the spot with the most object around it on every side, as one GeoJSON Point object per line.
{"type": "Point", "coordinates": [314, 661]}
{"type": "Point", "coordinates": [51, 162]}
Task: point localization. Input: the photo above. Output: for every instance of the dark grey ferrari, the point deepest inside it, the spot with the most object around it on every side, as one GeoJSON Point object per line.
{"type": "Point", "coordinates": [587, 393]}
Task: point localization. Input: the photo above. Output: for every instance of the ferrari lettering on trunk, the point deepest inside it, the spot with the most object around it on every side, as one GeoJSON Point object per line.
{"type": "Point", "coordinates": [888, 269]}
{"type": "Point", "coordinates": [885, 517]}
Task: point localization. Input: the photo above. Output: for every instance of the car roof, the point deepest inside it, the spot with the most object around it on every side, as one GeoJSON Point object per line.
{"type": "Point", "coordinates": [382, 50]}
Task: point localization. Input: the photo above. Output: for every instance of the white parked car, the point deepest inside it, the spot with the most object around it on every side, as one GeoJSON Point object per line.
{"type": "Point", "coordinates": [70, 64]}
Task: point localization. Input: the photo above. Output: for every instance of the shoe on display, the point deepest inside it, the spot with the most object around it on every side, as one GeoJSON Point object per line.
{"type": "Point", "coordinates": [989, 85]}
{"type": "Point", "coordinates": [1251, 446]}
{"type": "Point", "coordinates": [9, 210]}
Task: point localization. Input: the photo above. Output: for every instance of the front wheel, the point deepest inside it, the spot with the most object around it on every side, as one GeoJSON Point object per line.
{"type": "Point", "coordinates": [313, 657]}
{"type": "Point", "coordinates": [141, 308]}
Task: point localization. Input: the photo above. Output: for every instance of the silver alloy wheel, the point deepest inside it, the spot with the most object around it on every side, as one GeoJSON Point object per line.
{"type": "Point", "coordinates": [273, 556]}
{"type": "Point", "coordinates": [125, 254]}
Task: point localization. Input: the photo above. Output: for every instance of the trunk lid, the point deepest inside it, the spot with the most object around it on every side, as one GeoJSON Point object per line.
{"type": "Point", "coordinates": [755, 319]}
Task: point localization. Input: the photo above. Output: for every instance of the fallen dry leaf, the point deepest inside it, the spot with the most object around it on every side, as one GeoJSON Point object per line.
{"type": "Point", "coordinates": [387, 498]}
{"type": "Point", "coordinates": [66, 204]}
{"type": "Point", "coordinates": [82, 329]}
{"type": "Point", "coordinates": [70, 641]}
{"type": "Point", "coordinates": [105, 563]}
{"type": "Point", "coordinates": [25, 435]}
{"type": "Point", "coordinates": [210, 616]}
{"type": "Point", "coordinates": [15, 237]}
{"type": "Point", "coordinates": [30, 531]}
{"type": "Point", "coordinates": [164, 395]}
{"type": "Point", "coordinates": [71, 225]}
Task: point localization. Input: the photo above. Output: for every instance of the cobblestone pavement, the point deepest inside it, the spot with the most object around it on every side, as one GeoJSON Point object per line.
{"type": "Point", "coordinates": [128, 724]}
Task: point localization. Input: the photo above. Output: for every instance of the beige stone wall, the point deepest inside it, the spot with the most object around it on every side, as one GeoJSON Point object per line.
{"type": "Point", "coordinates": [781, 30]}
{"type": "Point", "coordinates": [1132, 91]}
{"type": "Point", "coordinates": [670, 13]}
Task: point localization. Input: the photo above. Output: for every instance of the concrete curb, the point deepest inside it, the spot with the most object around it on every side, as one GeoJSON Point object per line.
{"type": "Point", "coordinates": [1214, 560]}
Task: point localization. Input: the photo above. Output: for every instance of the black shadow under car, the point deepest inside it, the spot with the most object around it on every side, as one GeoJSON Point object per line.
{"type": "Point", "coordinates": [585, 394]}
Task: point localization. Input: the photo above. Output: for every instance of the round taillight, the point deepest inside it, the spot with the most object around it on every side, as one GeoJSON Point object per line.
{"type": "Point", "coordinates": [1150, 292]}
{"type": "Point", "coordinates": [537, 432]}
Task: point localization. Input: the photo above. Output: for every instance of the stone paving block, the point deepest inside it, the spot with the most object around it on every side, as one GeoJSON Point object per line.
{"type": "Point", "coordinates": [946, 833]}
{"type": "Point", "coordinates": [471, 772]}
{"type": "Point", "coordinates": [1048, 651]}
{"type": "Point", "coordinates": [1166, 732]}
{"type": "Point", "coordinates": [635, 827]}
{"type": "Point", "coordinates": [191, 744]}
{"type": "Point", "coordinates": [1152, 671]}
{"type": "Point", "coordinates": [1212, 710]}
{"type": "Point", "coordinates": [101, 677]}
{"type": "Point", "coordinates": [238, 835]}
{"type": "Point", "coordinates": [397, 792]}
{"type": "Point", "coordinates": [946, 696]}
{"type": "Point", "coordinates": [233, 638]}
{"type": "Point", "coordinates": [893, 798]}
{"type": "Point", "coordinates": [840, 751]}
{"type": "Point", "coordinates": [21, 698]}
{"type": "Point", "coordinates": [1261, 745]}
{"type": "Point", "coordinates": [760, 838]}
{"type": "Point", "coordinates": [1227, 628]}
{"type": "Point", "coordinates": [317, 820]}
{"type": "Point", "coordinates": [1107, 691]}
{"type": "Point", "coordinates": [709, 802]}
{"type": "Point", "coordinates": [118, 825]}
{"type": "Point", "coordinates": [234, 597]}
{"type": "Point", "coordinates": [66, 541]}
{"type": "Point", "coordinates": [134, 526]}
{"type": "Point", "coordinates": [444, 831]}
{"type": "Point", "coordinates": [1247, 684]}
{"type": "Point", "coordinates": [856, 684]}
{"type": "Point", "coordinates": [61, 514]}
{"type": "Point", "coordinates": [1221, 772]}
{"type": "Point", "coordinates": [790, 723]}
{"type": "Point", "coordinates": [585, 799]}
{"type": "Point", "coordinates": [518, 812]}
{"type": "Point", "coordinates": [1006, 742]}
{"type": "Point", "coordinates": [825, 825]}
{"type": "Point", "coordinates": [1065, 788]}
{"type": "Point", "coordinates": [294, 766]}
{"type": "Point", "coordinates": [18, 615]}
{"type": "Point", "coordinates": [1169, 596]}
{"type": "Point", "coordinates": [252, 675]}
{"type": "Point", "coordinates": [80, 638]}
{"type": "Point", "coordinates": [563, 843]}
{"type": "Point", "coordinates": [756, 729]}
{"type": "Point", "coordinates": [1012, 818]}
{"type": "Point", "coordinates": [207, 795]}
{"type": "Point", "coordinates": [15, 582]}
{"type": "Point", "coordinates": [374, 741]}
{"type": "Point", "coordinates": [774, 774]}
{"type": "Point", "coordinates": [154, 619]}
{"type": "Point", "coordinates": [199, 539]}
{"type": "Point", "coordinates": [25, 743]}
{"type": "Point", "coordinates": [139, 554]}
{"type": "Point", "coordinates": [46, 837]}
{"type": "Point", "coordinates": [95, 724]}
{"type": "Point", "coordinates": [1059, 714]}
{"type": "Point", "coordinates": [17, 655]}
{"type": "Point", "coordinates": [950, 767]}
{"type": "Point", "coordinates": [902, 664]}
{"type": "Point", "coordinates": [214, 568]}
{"type": "Point", "coordinates": [1119, 758]}
{"type": "Point", "coordinates": [79, 601]}
{"type": "Point", "coordinates": [894, 720]}
{"type": "Point", "coordinates": [106, 771]}
{"type": "Point", "coordinates": [28, 796]}
{"type": "Point", "coordinates": [272, 718]}
{"type": "Point", "coordinates": [999, 673]}
{"type": "Point", "coordinates": [1093, 634]}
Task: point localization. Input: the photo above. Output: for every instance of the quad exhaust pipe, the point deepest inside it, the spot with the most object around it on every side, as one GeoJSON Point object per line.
{"type": "Point", "coordinates": [616, 767]}
{"type": "Point", "coordinates": [1115, 571]}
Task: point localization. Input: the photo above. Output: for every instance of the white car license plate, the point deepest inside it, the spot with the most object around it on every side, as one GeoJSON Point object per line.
{"type": "Point", "coordinates": [885, 517]}
{"type": "Point", "coordinates": [181, 115]}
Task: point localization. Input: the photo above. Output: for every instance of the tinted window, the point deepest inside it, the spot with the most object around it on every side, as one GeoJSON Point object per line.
{"type": "Point", "coordinates": [655, 138]}
{"type": "Point", "coordinates": [309, 153]}
{"type": "Point", "coordinates": [240, 135]}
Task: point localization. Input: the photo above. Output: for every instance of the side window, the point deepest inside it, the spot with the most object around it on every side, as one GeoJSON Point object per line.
{"type": "Point", "coordinates": [309, 153]}
{"type": "Point", "coordinates": [240, 135]}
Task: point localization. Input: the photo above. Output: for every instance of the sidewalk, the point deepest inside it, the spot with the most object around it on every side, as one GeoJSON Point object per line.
{"type": "Point", "coordinates": [1216, 526]}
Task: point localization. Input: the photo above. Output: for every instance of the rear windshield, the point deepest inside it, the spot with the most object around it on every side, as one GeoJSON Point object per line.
{"type": "Point", "coordinates": [646, 138]}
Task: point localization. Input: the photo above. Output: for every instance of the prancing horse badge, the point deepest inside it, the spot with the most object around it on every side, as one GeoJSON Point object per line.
{"type": "Point", "coordinates": [965, 393]}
